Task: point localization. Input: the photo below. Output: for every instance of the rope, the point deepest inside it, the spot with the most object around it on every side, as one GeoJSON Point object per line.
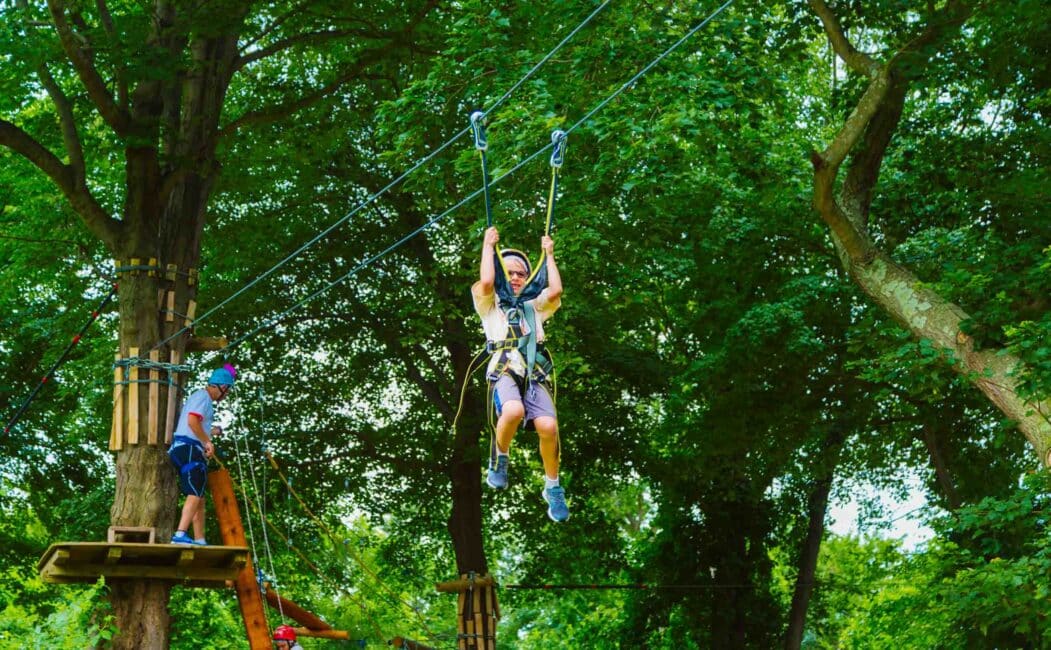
{"type": "Point", "coordinates": [262, 510]}
{"type": "Point", "coordinates": [332, 537]}
{"type": "Point", "coordinates": [273, 321]}
{"type": "Point", "coordinates": [61, 358]}
{"type": "Point", "coordinates": [324, 576]}
{"type": "Point", "coordinates": [374, 196]}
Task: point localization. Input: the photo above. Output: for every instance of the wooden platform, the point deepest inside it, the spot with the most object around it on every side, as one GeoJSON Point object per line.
{"type": "Point", "coordinates": [190, 566]}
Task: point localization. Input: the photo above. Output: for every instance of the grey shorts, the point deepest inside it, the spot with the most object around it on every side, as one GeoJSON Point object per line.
{"type": "Point", "coordinates": [537, 400]}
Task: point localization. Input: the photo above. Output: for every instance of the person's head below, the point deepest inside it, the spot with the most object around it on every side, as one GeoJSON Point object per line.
{"type": "Point", "coordinates": [285, 638]}
{"type": "Point", "coordinates": [517, 265]}
{"type": "Point", "coordinates": [221, 381]}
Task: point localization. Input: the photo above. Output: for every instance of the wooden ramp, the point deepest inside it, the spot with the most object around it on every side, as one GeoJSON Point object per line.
{"type": "Point", "coordinates": [190, 566]}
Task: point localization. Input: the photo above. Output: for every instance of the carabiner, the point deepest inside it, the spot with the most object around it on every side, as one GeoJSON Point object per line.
{"type": "Point", "coordinates": [481, 143]}
{"type": "Point", "coordinates": [558, 154]}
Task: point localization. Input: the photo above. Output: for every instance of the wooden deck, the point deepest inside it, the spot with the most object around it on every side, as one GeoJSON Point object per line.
{"type": "Point", "coordinates": [190, 566]}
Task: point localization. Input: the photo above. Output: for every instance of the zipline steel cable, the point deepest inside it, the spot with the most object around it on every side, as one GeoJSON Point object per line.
{"type": "Point", "coordinates": [276, 319]}
{"type": "Point", "coordinates": [372, 198]}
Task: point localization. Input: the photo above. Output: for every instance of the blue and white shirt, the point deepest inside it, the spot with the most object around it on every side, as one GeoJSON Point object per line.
{"type": "Point", "coordinates": [199, 405]}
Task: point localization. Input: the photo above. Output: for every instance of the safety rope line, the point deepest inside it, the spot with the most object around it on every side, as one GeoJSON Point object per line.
{"type": "Point", "coordinates": [262, 510]}
{"type": "Point", "coordinates": [332, 537]}
{"type": "Point", "coordinates": [61, 358]}
{"type": "Point", "coordinates": [353, 271]}
{"type": "Point", "coordinates": [317, 571]}
{"type": "Point", "coordinates": [375, 195]}
{"type": "Point", "coordinates": [251, 530]}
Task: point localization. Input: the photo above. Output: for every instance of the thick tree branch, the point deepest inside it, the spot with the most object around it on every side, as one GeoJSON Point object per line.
{"type": "Point", "coordinates": [68, 124]}
{"type": "Point", "coordinates": [278, 112]}
{"type": "Point", "coordinates": [855, 59]}
{"type": "Point", "coordinates": [859, 185]}
{"type": "Point", "coordinates": [308, 38]}
{"type": "Point", "coordinates": [118, 119]}
{"type": "Point", "coordinates": [111, 31]}
{"type": "Point", "coordinates": [103, 226]}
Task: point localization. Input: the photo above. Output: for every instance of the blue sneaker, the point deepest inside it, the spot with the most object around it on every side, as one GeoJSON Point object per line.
{"type": "Point", "coordinates": [557, 509]}
{"type": "Point", "coordinates": [496, 478]}
{"type": "Point", "coordinates": [180, 537]}
{"type": "Point", "coordinates": [200, 543]}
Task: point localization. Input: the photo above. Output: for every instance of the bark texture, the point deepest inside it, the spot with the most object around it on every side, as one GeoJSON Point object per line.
{"type": "Point", "coordinates": [866, 135]}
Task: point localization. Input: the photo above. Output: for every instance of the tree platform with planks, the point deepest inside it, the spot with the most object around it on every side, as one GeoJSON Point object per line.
{"type": "Point", "coordinates": [189, 566]}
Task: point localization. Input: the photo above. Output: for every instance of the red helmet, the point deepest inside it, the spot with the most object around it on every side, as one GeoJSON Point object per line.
{"type": "Point", "coordinates": [284, 633]}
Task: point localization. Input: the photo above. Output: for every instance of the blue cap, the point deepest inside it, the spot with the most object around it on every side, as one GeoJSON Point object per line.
{"type": "Point", "coordinates": [223, 376]}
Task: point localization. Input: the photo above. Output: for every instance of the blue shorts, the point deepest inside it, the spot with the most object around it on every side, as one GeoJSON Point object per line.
{"type": "Point", "coordinates": [188, 459]}
{"type": "Point", "coordinates": [537, 400]}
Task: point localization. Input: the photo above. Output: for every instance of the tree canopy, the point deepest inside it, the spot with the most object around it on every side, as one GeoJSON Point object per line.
{"type": "Point", "coordinates": [808, 251]}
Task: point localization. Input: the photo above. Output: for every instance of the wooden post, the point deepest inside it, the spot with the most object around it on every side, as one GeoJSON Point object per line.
{"type": "Point", "coordinates": [173, 398]}
{"type": "Point", "coordinates": [191, 310]}
{"type": "Point", "coordinates": [116, 436]}
{"type": "Point", "coordinates": [249, 599]}
{"type": "Point", "coordinates": [133, 399]}
{"type": "Point", "coordinates": [155, 376]}
{"type": "Point", "coordinates": [477, 612]}
{"type": "Point", "coordinates": [170, 316]}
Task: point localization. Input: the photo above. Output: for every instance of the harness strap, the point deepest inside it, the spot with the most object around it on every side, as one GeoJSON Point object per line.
{"type": "Point", "coordinates": [189, 465]}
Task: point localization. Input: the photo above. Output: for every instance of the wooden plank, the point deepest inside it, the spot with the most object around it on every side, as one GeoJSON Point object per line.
{"type": "Point", "coordinates": [461, 629]}
{"type": "Point", "coordinates": [117, 438]}
{"type": "Point", "coordinates": [123, 534]}
{"type": "Point", "coordinates": [155, 395]}
{"type": "Point", "coordinates": [490, 619]}
{"type": "Point", "coordinates": [205, 566]}
{"type": "Point", "coordinates": [173, 396]}
{"type": "Point", "coordinates": [249, 598]}
{"type": "Point", "coordinates": [323, 634]}
{"type": "Point", "coordinates": [191, 311]}
{"type": "Point", "coordinates": [479, 625]}
{"type": "Point", "coordinates": [133, 400]}
{"type": "Point", "coordinates": [170, 315]}
{"type": "Point", "coordinates": [91, 573]}
{"type": "Point", "coordinates": [206, 343]}
{"type": "Point", "coordinates": [293, 611]}
{"type": "Point", "coordinates": [453, 586]}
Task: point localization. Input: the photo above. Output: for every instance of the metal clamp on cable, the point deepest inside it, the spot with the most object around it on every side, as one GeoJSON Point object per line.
{"type": "Point", "coordinates": [558, 155]}
{"type": "Point", "coordinates": [481, 142]}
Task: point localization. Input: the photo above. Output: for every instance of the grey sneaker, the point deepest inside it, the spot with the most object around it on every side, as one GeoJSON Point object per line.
{"type": "Point", "coordinates": [557, 509]}
{"type": "Point", "coordinates": [496, 478]}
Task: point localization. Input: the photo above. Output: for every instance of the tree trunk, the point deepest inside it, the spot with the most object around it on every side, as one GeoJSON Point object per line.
{"type": "Point", "coordinates": [931, 439]}
{"type": "Point", "coordinates": [929, 316]}
{"type": "Point", "coordinates": [865, 136]}
{"type": "Point", "coordinates": [817, 507]}
{"type": "Point", "coordinates": [146, 488]}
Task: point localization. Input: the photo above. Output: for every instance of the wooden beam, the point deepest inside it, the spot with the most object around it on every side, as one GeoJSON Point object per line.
{"type": "Point", "coordinates": [206, 343]}
{"type": "Point", "coordinates": [463, 584]}
{"type": "Point", "coordinates": [249, 599]}
{"type": "Point", "coordinates": [133, 400]}
{"type": "Point", "coordinates": [152, 408]}
{"type": "Point", "coordinates": [173, 396]}
{"type": "Point", "coordinates": [323, 634]}
{"type": "Point", "coordinates": [116, 438]}
{"type": "Point", "coordinates": [293, 611]}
